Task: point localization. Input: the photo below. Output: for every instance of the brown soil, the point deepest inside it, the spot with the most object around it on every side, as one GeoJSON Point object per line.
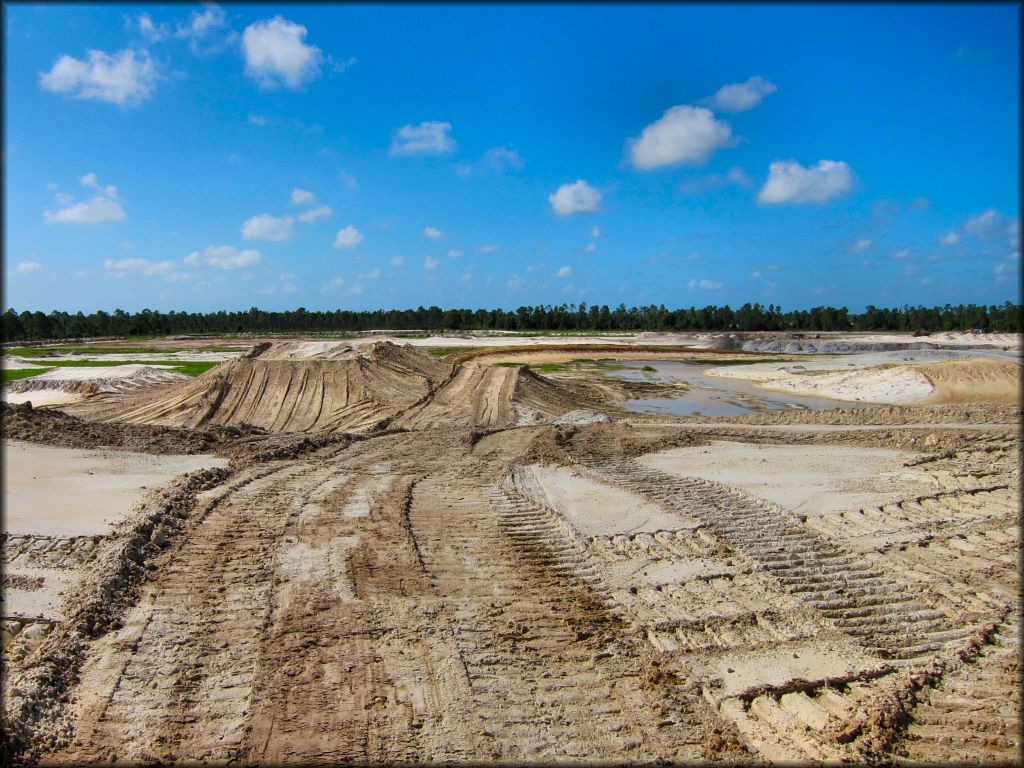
{"type": "Point", "coordinates": [412, 593]}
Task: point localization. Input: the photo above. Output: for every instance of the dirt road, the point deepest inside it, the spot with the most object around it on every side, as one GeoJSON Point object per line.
{"type": "Point", "coordinates": [458, 589]}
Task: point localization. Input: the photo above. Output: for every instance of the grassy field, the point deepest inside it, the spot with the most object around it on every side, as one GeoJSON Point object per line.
{"type": "Point", "coordinates": [187, 367]}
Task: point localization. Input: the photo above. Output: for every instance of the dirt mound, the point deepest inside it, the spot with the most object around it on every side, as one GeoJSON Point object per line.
{"type": "Point", "coordinates": [333, 387]}
{"type": "Point", "coordinates": [973, 381]}
{"type": "Point", "coordinates": [277, 391]}
{"type": "Point", "coordinates": [51, 427]}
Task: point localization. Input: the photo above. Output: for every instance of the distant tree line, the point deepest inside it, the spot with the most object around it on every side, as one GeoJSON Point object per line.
{"type": "Point", "coordinates": [34, 326]}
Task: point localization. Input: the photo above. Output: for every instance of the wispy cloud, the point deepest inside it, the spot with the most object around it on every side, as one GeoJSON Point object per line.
{"type": "Point", "coordinates": [126, 78]}
{"type": "Point", "coordinates": [267, 227]}
{"type": "Point", "coordinates": [739, 97]}
{"type": "Point", "coordinates": [105, 206]}
{"type": "Point", "coordinates": [703, 284]}
{"type": "Point", "coordinates": [427, 138]}
{"type": "Point", "coordinates": [348, 238]}
{"type": "Point", "coordinates": [315, 214]}
{"type": "Point", "coordinates": [223, 257]}
{"type": "Point", "coordinates": [495, 161]}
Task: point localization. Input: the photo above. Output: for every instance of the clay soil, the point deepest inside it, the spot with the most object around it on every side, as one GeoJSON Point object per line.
{"type": "Point", "coordinates": [407, 560]}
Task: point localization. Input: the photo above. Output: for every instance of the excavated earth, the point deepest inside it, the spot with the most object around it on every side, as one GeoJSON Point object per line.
{"type": "Point", "coordinates": [410, 560]}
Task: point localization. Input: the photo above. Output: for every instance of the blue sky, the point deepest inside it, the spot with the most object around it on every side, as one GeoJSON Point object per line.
{"type": "Point", "coordinates": [343, 156]}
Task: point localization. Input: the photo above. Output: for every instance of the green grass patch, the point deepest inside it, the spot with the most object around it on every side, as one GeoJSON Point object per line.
{"type": "Point", "coordinates": [538, 367]}
{"type": "Point", "coordinates": [445, 351]}
{"type": "Point", "coordinates": [95, 351]}
{"type": "Point", "coordinates": [20, 373]}
{"type": "Point", "coordinates": [649, 369]}
{"type": "Point", "coordinates": [190, 368]}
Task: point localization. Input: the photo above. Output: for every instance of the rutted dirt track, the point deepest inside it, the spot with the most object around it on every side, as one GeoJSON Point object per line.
{"type": "Point", "coordinates": [431, 593]}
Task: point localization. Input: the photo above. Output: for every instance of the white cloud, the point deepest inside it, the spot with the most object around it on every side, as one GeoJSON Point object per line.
{"type": "Point", "coordinates": [595, 231]}
{"type": "Point", "coordinates": [276, 54]}
{"type": "Point", "coordinates": [466, 276]}
{"type": "Point", "coordinates": [591, 247]}
{"type": "Point", "coordinates": [899, 255]}
{"type": "Point", "coordinates": [259, 120]}
{"type": "Point", "coordinates": [564, 272]}
{"type": "Point", "coordinates": [487, 248]}
{"type": "Point", "coordinates": [789, 182]}
{"type": "Point", "coordinates": [429, 263]}
{"type": "Point", "coordinates": [454, 253]}
{"type": "Point", "coordinates": [861, 245]}
{"type": "Point", "coordinates": [349, 237]}
{"type": "Point", "coordinates": [124, 78]}
{"type": "Point", "coordinates": [348, 180]}
{"type": "Point", "coordinates": [578, 197]}
{"type": "Point", "coordinates": [202, 25]}
{"type": "Point", "coordinates": [704, 285]}
{"type": "Point", "coordinates": [96, 211]}
{"type": "Point", "coordinates": [397, 262]}
{"type": "Point", "coordinates": [223, 257]}
{"type": "Point", "coordinates": [104, 207]}
{"type": "Point", "coordinates": [373, 274]}
{"type": "Point", "coordinates": [357, 289]}
{"type": "Point", "coordinates": [433, 232]}
{"type": "Point", "coordinates": [684, 134]}
{"type": "Point", "coordinates": [991, 224]}
{"type": "Point", "coordinates": [124, 267]}
{"type": "Point", "coordinates": [494, 162]}
{"type": "Point", "coordinates": [147, 27]}
{"type": "Point", "coordinates": [739, 97]}
{"type": "Point", "coordinates": [266, 227]}
{"type": "Point", "coordinates": [333, 285]}
{"type": "Point", "coordinates": [949, 238]}
{"type": "Point", "coordinates": [427, 138]}
{"type": "Point", "coordinates": [24, 267]}
{"type": "Point", "coordinates": [302, 196]}
{"type": "Point", "coordinates": [735, 176]}
{"type": "Point", "coordinates": [315, 214]}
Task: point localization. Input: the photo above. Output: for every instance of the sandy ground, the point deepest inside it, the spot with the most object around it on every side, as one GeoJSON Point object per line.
{"type": "Point", "coordinates": [68, 492]}
{"type": "Point", "coordinates": [63, 385]}
{"type": "Point", "coordinates": [55, 498]}
{"type": "Point", "coordinates": [891, 377]}
{"type": "Point", "coordinates": [802, 479]}
{"type": "Point", "coordinates": [450, 585]}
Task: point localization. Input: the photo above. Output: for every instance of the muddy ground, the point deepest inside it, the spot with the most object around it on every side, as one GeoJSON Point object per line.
{"type": "Point", "coordinates": [408, 561]}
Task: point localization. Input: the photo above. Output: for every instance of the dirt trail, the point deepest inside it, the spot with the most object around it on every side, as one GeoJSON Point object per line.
{"type": "Point", "coordinates": [456, 588]}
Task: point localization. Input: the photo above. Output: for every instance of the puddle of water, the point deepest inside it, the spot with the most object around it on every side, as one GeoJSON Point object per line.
{"type": "Point", "coordinates": [707, 395]}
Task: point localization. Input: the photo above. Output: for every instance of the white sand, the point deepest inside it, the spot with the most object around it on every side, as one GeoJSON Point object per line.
{"type": "Point", "coordinates": [65, 492]}
{"type": "Point", "coordinates": [597, 509]}
{"type": "Point", "coordinates": [74, 492]}
{"type": "Point", "coordinates": [812, 479]}
{"type": "Point", "coordinates": [41, 397]}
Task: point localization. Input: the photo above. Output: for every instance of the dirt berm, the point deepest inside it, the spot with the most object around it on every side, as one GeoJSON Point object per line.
{"type": "Point", "coordinates": [279, 389]}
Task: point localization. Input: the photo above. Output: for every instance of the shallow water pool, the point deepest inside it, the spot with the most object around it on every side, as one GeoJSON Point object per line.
{"type": "Point", "coordinates": [709, 395]}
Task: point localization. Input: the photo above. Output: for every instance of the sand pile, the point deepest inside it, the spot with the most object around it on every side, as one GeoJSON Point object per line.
{"type": "Point", "coordinates": [334, 387]}
{"type": "Point", "coordinates": [950, 381]}
{"type": "Point", "coordinates": [68, 385]}
{"type": "Point", "coordinates": [973, 381]}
